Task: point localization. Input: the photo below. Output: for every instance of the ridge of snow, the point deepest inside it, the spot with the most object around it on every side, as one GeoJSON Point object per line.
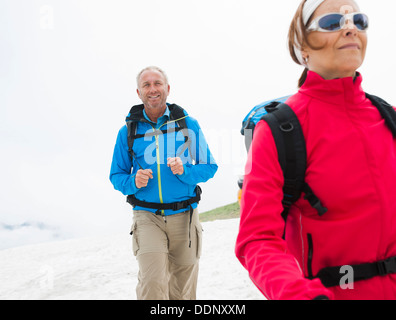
{"type": "Point", "coordinates": [104, 268]}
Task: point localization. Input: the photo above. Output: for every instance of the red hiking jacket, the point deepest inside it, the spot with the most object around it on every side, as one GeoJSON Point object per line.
{"type": "Point", "coordinates": [351, 167]}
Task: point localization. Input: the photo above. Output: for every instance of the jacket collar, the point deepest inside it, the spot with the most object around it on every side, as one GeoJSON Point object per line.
{"type": "Point", "coordinates": [335, 91]}
{"type": "Point", "coordinates": [161, 120]}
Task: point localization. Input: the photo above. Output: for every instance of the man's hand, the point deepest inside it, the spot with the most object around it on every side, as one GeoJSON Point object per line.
{"type": "Point", "coordinates": [142, 178]}
{"type": "Point", "coordinates": [176, 165]}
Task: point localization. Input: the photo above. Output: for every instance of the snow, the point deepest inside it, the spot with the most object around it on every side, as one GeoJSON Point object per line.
{"type": "Point", "coordinates": [104, 268]}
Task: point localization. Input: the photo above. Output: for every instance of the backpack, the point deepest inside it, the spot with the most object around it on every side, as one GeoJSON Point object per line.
{"type": "Point", "coordinates": [290, 143]}
{"type": "Point", "coordinates": [254, 116]}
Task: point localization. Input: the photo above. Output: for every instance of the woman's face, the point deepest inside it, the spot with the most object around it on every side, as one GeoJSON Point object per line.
{"type": "Point", "coordinates": [341, 52]}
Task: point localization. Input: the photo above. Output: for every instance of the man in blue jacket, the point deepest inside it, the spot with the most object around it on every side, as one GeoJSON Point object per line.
{"type": "Point", "coordinates": [159, 158]}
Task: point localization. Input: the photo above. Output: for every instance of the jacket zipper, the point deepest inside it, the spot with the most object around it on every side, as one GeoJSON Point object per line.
{"type": "Point", "coordinates": [310, 256]}
{"type": "Point", "coordinates": [159, 170]}
{"type": "Point", "coordinates": [159, 162]}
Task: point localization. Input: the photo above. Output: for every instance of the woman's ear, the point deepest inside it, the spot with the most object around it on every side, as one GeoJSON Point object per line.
{"type": "Point", "coordinates": [305, 52]}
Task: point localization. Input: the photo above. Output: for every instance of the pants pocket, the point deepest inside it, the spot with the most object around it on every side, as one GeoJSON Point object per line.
{"type": "Point", "coordinates": [135, 243]}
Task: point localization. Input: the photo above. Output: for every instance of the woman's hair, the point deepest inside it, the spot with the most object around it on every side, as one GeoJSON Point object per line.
{"type": "Point", "coordinates": [298, 38]}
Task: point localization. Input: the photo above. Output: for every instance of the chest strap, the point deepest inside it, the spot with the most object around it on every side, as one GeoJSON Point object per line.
{"type": "Point", "coordinates": [331, 277]}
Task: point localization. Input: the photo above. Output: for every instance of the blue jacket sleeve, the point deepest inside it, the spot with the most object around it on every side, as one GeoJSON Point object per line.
{"type": "Point", "coordinates": [121, 166]}
{"type": "Point", "coordinates": [205, 165]}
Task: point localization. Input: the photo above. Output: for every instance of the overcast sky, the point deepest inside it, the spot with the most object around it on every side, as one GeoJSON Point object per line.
{"type": "Point", "coordinates": [67, 77]}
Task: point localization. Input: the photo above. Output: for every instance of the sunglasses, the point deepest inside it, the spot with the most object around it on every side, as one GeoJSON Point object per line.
{"type": "Point", "coordinates": [331, 22]}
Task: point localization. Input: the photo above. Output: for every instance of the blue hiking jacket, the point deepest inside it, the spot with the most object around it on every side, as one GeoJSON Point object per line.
{"type": "Point", "coordinates": [152, 153]}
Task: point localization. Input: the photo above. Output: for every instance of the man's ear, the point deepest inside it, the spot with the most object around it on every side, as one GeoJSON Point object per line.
{"type": "Point", "coordinates": [168, 89]}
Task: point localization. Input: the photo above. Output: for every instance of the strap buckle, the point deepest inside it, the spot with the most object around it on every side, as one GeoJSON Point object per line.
{"type": "Point", "coordinates": [178, 206]}
{"type": "Point", "coordinates": [314, 200]}
{"type": "Point", "coordinates": [386, 267]}
{"type": "Point", "coordinates": [316, 204]}
{"type": "Point", "coordinates": [271, 107]}
{"type": "Point", "coordinates": [159, 213]}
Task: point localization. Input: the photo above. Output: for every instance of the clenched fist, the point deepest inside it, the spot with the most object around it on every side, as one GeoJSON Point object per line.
{"type": "Point", "coordinates": [176, 165]}
{"type": "Point", "coordinates": [142, 178]}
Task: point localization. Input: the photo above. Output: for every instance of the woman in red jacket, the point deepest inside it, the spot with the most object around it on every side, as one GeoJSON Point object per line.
{"type": "Point", "coordinates": [351, 167]}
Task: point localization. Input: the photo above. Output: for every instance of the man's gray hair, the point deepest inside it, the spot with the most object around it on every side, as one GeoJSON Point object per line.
{"type": "Point", "coordinates": [152, 68]}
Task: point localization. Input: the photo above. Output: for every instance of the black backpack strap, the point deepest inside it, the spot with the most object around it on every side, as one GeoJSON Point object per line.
{"type": "Point", "coordinates": [135, 115]}
{"type": "Point", "coordinates": [386, 111]}
{"type": "Point", "coordinates": [177, 114]}
{"type": "Point", "coordinates": [132, 127]}
{"type": "Point", "coordinates": [290, 143]}
{"type": "Point", "coordinates": [133, 201]}
{"type": "Point", "coordinates": [332, 276]}
{"type": "Point", "coordinates": [292, 154]}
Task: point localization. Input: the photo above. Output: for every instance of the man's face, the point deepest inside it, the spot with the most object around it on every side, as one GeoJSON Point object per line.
{"type": "Point", "coordinates": [153, 89]}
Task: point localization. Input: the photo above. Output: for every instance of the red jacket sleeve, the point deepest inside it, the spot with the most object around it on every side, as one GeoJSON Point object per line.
{"type": "Point", "coordinates": [260, 246]}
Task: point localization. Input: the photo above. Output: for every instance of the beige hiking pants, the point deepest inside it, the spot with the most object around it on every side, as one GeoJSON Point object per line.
{"type": "Point", "coordinates": [168, 266]}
